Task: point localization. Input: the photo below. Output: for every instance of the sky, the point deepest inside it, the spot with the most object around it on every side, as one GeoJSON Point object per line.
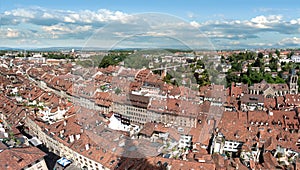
{"type": "Point", "coordinates": [195, 24]}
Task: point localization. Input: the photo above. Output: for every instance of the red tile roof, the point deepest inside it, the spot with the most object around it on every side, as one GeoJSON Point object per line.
{"type": "Point", "coordinates": [19, 158]}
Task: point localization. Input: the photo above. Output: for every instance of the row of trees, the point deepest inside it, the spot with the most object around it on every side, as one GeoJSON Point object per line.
{"type": "Point", "coordinates": [58, 56]}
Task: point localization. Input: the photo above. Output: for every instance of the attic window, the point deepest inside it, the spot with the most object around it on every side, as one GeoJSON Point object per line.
{"type": "Point", "coordinates": [17, 158]}
{"type": "Point", "coordinates": [111, 162]}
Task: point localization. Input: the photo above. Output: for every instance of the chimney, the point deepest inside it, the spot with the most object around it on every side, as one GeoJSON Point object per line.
{"type": "Point", "coordinates": [77, 136]}
{"type": "Point", "coordinates": [71, 137]}
{"type": "Point", "coordinates": [62, 132]}
{"type": "Point", "coordinates": [270, 113]}
{"type": "Point", "coordinates": [87, 146]}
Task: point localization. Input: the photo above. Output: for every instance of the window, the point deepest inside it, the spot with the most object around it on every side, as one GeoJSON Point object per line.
{"type": "Point", "coordinates": [39, 166]}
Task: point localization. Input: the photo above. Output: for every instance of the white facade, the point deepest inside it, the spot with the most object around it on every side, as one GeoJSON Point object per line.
{"type": "Point", "coordinates": [285, 60]}
{"type": "Point", "coordinates": [232, 146]}
{"type": "Point", "coordinates": [295, 58]}
{"type": "Point", "coordinates": [185, 141]}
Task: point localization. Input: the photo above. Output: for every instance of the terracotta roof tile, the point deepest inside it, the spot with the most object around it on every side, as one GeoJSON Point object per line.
{"type": "Point", "coordinates": [19, 158]}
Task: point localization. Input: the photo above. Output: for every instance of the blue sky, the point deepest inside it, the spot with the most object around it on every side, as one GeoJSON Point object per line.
{"type": "Point", "coordinates": [225, 24]}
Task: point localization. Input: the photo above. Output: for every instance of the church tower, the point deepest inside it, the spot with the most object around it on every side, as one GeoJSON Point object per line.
{"type": "Point", "coordinates": [293, 83]}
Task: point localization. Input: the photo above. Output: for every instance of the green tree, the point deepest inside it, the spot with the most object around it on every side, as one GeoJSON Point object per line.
{"type": "Point", "coordinates": [269, 78]}
{"type": "Point", "coordinates": [257, 63]}
{"type": "Point", "coordinates": [118, 91]}
{"type": "Point", "coordinates": [245, 79]}
{"type": "Point", "coordinates": [273, 64]}
{"type": "Point", "coordinates": [232, 77]}
{"type": "Point", "coordinates": [291, 54]}
{"type": "Point", "coordinates": [223, 59]}
{"type": "Point", "coordinates": [236, 66]}
{"type": "Point", "coordinates": [219, 68]}
{"type": "Point", "coordinates": [203, 78]}
{"type": "Point", "coordinates": [112, 59]}
{"type": "Point", "coordinates": [279, 80]}
{"type": "Point", "coordinates": [277, 52]}
{"type": "Point", "coordinates": [260, 55]}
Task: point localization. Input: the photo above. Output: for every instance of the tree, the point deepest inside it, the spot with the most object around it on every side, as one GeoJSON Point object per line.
{"type": "Point", "coordinates": [203, 78]}
{"type": "Point", "coordinates": [231, 77]}
{"type": "Point", "coordinates": [270, 55]}
{"type": "Point", "coordinates": [219, 68]}
{"type": "Point", "coordinates": [20, 55]}
{"type": "Point", "coordinates": [236, 66]}
{"type": "Point", "coordinates": [118, 91]}
{"type": "Point", "coordinates": [112, 59]}
{"type": "Point", "coordinates": [273, 64]}
{"type": "Point", "coordinates": [269, 78]}
{"type": "Point", "coordinates": [291, 54]}
{"type": "Point", "coordinates": [256, 77]}
{"type": "Point", "coordinates": [257, 63]}
{"type": "Point", "coordinates": [168, 78]}
{"type": "Point", "coordinates": [245, 79]}
{"type": "Point", "coordinates": [277, 52]}
{"type": "Point", "coordinates": [279, 80]}
{"type": "Point", "coordinates": [223, 59]}
{"type": "Point", "coordinates": [260, 55]}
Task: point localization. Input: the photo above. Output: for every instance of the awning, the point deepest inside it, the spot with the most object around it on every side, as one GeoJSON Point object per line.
{"type": "Point", "coordinates": [35, 141]}
{"type": "Point", "coordinates": [64, 162]}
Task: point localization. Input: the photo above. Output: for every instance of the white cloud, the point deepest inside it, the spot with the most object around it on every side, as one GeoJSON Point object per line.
{"type": "Point", "coordinates": [21, 13]}
{"type": "Point", "coordinates": [294, 41]}
{"type": "Point", "coordinates": [27, 42]}
{"type": "Point", "coordinates": [295, 21]}
{"type": "Point", "coordinates": [259, 44]}
{"type": "Point", "coordinates": [267, 19]}
{"type": "Point", "coordinates": [10, 33]}
{"type": "Point", "coordinates": [234, 42]}
{"type": "Point", "coordinates": [47, 15]}
{"type": "Point", "coordinates": [68, 19]}
{"type": "Point", "coordinates": [66, 29]}
{"type": "Point", "coordinates": [34, 15]}
{"type": "Point", "coordinates": [195, 24]}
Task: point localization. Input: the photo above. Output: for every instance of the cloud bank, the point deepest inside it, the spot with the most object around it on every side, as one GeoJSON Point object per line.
{"type": "Point", "coordinates": [44, 27]}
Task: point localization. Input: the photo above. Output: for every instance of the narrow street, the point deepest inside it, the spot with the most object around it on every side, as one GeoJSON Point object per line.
{"type": "Point", "coordinates": [50, 158]}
